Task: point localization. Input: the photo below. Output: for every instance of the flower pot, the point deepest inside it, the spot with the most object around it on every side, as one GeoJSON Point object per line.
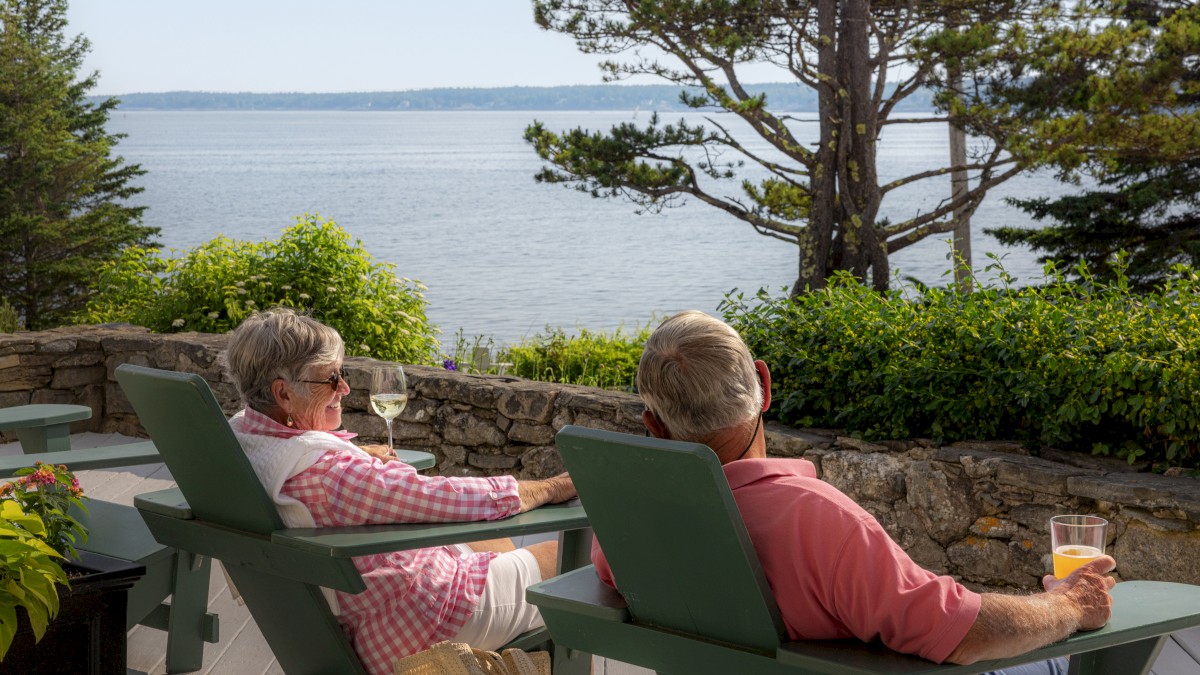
{"type": "Point", "coordinates": [88, 635]}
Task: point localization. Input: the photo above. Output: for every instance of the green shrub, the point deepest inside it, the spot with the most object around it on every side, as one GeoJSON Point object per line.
{"type": "Point", "coordinates": [36, 534]}
{"type": "Point", "coordinates": [1086, 366]}
{"type": "Point", "coordinates": [10, 319]}
{"type": "Point", "coordinates": [29, 573]}
{"type": "Point", "coordinates": [313, 267]}
{"type": "Point", "coordinates": [591, 359]}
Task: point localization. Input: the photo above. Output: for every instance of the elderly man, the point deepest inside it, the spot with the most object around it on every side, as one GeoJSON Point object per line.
{"type": "Point", "coordinates": [700, 384]}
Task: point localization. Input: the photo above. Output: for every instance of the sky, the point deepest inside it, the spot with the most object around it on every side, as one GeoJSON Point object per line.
{"type": "Point", "coordinates": [322, 46]}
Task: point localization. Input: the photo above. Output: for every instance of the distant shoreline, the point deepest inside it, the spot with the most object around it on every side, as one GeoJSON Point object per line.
{"type": "Point", "coordinates": [651, 97]}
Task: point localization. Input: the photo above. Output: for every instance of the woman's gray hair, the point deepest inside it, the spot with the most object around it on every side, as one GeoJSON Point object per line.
{"type": "Point", "coordinates": [277, 343]}
{"type": "Point", "coordinates": [697, 377]}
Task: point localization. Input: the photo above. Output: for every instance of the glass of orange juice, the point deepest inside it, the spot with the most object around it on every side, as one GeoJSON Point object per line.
{"type": "Point", "coordinates": [1076, 540]}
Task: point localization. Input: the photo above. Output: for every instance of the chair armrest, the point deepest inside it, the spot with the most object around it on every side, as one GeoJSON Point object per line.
{"type": "Point", "coordinates": [322, 556]}
{"type": "Point", "coordinates": [1141, 610]}
{"type": "Point", "coordinates": [350, 542]}
{"type": "Point", "coordinates": [416, 458]}
{"type": "Point", "coordinates": [239, 548]}
{"type": "Point", "coordinates": [169, 502]}
{"type": "Point", "coordinates": [130, 454]}
{"type": "Point", "coordinates": [580, 591]}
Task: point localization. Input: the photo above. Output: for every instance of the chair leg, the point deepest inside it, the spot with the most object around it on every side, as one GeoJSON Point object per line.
{"type": "Point", "coordinates": [574, 551]}
{"type": "Point", "coordinates": [570, 662]}
{"type": "Point", "coordinates": [1131, 658]}
{"type": "Point", "coordinates": [189, 613]}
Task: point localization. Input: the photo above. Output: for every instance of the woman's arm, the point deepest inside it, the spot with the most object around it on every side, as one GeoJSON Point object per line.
{"type": "Point", "coordinates": [348, 489]}
{"type": "Point", "coordinates": [535, 493]}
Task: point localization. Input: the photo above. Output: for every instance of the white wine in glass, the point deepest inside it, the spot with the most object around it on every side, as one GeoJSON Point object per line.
{"type": "Point", "coordinates": [389, 394]}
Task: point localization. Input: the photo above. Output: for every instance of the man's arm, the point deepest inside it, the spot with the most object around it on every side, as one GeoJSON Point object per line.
{"type": "Point", "coordinates": [1012, 625]}
{"type": "Point", "coordinates": [554, 490]}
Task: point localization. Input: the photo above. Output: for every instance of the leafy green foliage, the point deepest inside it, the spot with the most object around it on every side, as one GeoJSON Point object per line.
{"type": "Point", "coordinates": [35, 533]}
{"type": "Point", "coordinates": [1090, 366]}
{"type": "Point", "coordinates": [1106, 82]}
{"type": "Point", "coordinates": [1145, 123]}
{"type": "Point", "coordinates": [313, 267]}
{"type": "Point", "coordinates": [28, 574]}
{"type": "Point", "coordinates": [49, 490]}
{"type": "Point", "coordinates": [62, 192]}
{"type": "Point", "coordinates": [10, 320]}
{"type": "Point", "coordinates": [594, 359]}
{"type": "Point", "coordinates": [1149, 209]}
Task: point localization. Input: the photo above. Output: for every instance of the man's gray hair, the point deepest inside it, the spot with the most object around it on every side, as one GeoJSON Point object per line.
{"type": "Point", "coordinates": [697, 377]}
{"type": "Point", "coordinates": [277, 343]}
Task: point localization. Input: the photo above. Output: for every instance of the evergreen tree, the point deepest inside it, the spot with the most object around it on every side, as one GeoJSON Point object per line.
{"type": "Point", "coordinates": [825, 198]}
{"type": "Point", "coordinates": [1131, 92]}
{"type": "Point", "coordinates": [62, 193]}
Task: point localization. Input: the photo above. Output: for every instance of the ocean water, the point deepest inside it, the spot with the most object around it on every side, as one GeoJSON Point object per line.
{"type": "Point", "coordinates": [449, 197]}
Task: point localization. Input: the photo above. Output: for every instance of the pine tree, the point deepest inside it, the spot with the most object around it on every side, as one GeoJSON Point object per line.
{"type": "Point", "coordinates": [63, 209]}
{"type": "Point", "coordinates": [1132, 91]}
{"type": "Point", "coordinates": [863, 59]}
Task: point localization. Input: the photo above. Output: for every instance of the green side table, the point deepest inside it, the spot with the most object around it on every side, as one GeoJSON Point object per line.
{"type": "Point", "coordinates": [43, 427]}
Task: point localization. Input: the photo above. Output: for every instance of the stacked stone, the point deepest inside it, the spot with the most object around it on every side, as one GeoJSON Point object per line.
{"type": "Point", "coordinates": [981, 510]}
{"type": "Point", "coordinates": [486, 425]}
{"type": "Point", "coordinates": [978, 511]}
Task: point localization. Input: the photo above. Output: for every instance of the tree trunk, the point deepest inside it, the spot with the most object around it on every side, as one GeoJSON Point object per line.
{"type": "Point", "coordinates": [958, 188]}
{"type": "Point", "coordinates": [816, 243]}
{"type": "Point", "coordinates": [860, 194]}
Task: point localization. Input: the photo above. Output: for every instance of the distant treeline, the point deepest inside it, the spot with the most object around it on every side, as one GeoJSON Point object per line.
{"type": "Point", "coordinates": [780, 97]}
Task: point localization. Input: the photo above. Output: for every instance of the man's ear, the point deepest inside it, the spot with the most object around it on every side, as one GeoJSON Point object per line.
{"type": "Point", "coordinates": [656, 428]}
{"type": "Point", "coordinates": [764, 374]}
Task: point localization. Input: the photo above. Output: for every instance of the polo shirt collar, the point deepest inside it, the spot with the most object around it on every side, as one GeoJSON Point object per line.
{"type": "Point", "coordinates": [743, 472]}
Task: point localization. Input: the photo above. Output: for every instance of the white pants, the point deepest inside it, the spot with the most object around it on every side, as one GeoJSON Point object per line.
{"type": "Point", "coordinates": [503, 613]}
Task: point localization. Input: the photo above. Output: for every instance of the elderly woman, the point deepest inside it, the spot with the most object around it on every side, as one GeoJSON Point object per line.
{"type": "Point", "coordinates": [288, 370]}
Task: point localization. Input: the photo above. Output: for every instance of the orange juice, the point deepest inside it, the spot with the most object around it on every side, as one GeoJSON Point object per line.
{"type": "Point", "coordinates": [1069, 557]}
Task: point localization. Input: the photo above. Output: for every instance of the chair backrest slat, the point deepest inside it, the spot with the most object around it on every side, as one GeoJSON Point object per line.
{"type": "Point", "coordinates": [190, 431]}
{"type": "Point", "coordinates": [665, 517]}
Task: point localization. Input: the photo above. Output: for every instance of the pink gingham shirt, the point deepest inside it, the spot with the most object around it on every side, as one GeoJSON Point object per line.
{"type": "Point", "coordinates": [413, 598]}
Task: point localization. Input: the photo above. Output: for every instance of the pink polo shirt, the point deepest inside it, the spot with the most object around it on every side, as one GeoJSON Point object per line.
{"type": "Point", "coordinates": [834, 571]}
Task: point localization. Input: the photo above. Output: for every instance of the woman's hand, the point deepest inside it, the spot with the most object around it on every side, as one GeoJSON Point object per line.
{"type": "Point", "coordinates": [379, 451]}
{"type": "Point", "coordinates": [554, 490]}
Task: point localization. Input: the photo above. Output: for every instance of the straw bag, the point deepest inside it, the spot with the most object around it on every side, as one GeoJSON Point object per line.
{"type": "Point", "coordinates": [457, 658]}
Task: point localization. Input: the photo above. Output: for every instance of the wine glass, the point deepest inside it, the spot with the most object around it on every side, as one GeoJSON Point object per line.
{"type": "Point", "coordinates": [389, 394]}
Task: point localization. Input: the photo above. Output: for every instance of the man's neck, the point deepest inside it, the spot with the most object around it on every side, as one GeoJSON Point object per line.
{"type": "Point", "coordinates": [742, 441]}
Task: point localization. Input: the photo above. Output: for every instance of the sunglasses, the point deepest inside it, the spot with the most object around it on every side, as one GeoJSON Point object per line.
{"type": "Point", "coordinates": [332, 380]}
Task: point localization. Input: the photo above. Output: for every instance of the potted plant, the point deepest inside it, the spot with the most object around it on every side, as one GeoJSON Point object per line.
{"type": "Point", "coordinates": [73, 603]}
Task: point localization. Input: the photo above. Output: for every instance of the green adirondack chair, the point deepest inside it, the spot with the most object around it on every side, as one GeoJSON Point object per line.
{"type": "Point", "coordinates": [695, 599]}
{"type": "Point", "coordinates": [220, 509]}
{"type": "Point", "coordinates": [117, 531]}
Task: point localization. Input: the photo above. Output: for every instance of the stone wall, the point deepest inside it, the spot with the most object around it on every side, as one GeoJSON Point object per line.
{"type": "Point", "coordinates": [975, 510]}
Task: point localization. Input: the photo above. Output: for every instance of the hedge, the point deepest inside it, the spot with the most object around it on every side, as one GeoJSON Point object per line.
{"type": "Point", "coordinates": [1087, 366]}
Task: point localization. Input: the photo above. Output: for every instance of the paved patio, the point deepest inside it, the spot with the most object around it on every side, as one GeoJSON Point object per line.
{"type": "Point", "coordinates": [242, 649]}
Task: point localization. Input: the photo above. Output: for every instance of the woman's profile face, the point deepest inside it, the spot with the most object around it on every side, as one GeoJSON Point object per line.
{"type": "Point", "coordinates": [318, 404]}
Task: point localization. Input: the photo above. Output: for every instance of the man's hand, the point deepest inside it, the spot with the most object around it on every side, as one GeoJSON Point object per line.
{"type": "Point", "coordinates": [1008, 625]}
{"type": "Point", "coordinates": [1087, 588]}
{"type": "Point", "coordinates": [554, 490]}
{"type": "Point", "coordinates": [379, 451]}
